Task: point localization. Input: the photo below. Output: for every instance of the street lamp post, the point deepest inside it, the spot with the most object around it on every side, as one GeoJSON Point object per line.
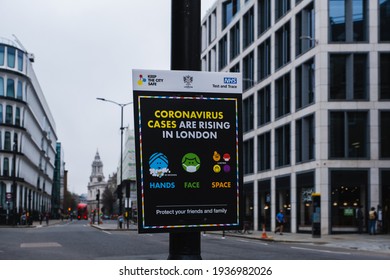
{"type": "Point", "coordinates": [119, 190]}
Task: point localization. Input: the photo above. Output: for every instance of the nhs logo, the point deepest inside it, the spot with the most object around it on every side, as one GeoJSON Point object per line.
{"type": "Point", "coordinates": [230, 80]}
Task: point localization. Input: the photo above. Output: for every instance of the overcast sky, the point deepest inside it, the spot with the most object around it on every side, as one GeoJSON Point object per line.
{"type": "Point", "coordinates": [86, 49]}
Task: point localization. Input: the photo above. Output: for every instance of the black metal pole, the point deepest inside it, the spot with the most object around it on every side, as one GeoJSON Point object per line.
{"type": "Point", "coordinates": [14, 185]}
{"type": "Point", "coordinates": [185, 55]}
{"type": "Point", "coordinates": [121, 173]}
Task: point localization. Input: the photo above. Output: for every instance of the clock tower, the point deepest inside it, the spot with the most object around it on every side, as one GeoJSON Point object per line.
{"type": "Point", "coordinates": [96, 182]}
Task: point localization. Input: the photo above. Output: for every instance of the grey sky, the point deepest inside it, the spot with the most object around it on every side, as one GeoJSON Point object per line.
{"type": "Point", "coordinates": [86, 49]}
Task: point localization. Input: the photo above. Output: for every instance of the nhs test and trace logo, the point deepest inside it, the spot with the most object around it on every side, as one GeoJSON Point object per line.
{"type": "Point", "coordinates": [230, 80]}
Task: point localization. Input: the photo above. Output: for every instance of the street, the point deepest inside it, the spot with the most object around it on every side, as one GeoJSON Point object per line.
{"type": "Point", "coordinates": [77, 240]}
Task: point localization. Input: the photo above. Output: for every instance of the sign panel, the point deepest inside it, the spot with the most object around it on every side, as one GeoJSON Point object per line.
{"type": "Point", "coordinates": [188, 154]}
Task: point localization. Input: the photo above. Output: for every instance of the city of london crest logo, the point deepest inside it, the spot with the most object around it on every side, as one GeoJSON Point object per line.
{"type": "Point", "coordinates": [188, 81]}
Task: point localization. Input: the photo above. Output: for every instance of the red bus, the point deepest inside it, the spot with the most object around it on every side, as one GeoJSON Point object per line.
{"type": "Point", "coordinates": [82, 211]}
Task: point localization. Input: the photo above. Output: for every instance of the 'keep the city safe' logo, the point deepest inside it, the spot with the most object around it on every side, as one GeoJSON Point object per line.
{"type": "Point", "coordinates": [149, 80]}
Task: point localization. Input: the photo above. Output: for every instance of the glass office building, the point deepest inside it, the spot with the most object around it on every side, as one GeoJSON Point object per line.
{"type": "Point", "coordinates": [316, 105]}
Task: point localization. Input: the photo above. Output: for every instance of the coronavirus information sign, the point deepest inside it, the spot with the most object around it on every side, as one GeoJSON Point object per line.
{"type": "Point", "coordinates": [188, 150]}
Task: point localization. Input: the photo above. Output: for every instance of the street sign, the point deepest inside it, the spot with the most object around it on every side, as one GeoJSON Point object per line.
{"type": "Point", "coordinates": [8, 196]}
{"type": "Point", "coordinates": [188, 151]}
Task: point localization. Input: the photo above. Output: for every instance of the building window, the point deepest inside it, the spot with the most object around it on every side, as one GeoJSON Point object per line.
{"type": "Point", "coordinates": [348, 74]}
{"type": "Point", "coordinates": [248, 156]}
{"type": "Point", "coordinates": [282, 45]}
{"type": "Point", "coordinates": [7, 141]}
{"type": "Point", "coordinates": [248, 199]}
{"type": "Point", "coordinates": [348, 191]}
{"type": "Point", "coordinates": [282, 96]}
{"type": "Point", "coordinates": [20, 60]}
{"type": "Point", "coordinates": [204, 36]}
{"type": "Point", "coordinates": [6, 167]}
{"type": "Point", "coordinates": [384, 134]}
{"type": "Point", "coordinates": [248, 28]}
{"type": "Point", "coordinates": [264, 203]}
{"type": "Point", "coordinates": [212, 26]}
{"type": "Point", "coordinates": [235, 68]}
{"type": "Point", "coordinates": [263, 16]}
{"type": "Point", "coordinates": [15, 146]}
{"type": "Point", "coordinates": [348, 20]}
{"type": "Point", "coordinates": [10, 88]}
{"type": "Point", "coordinates": [235, 41]}
{"type": "Point", "coordinates": [3, 188]}
{"type": "Point", "coordinates": [264, 105]}
{"type": "Point", "coordinates": [305, 139]}
{"type": "Point", "coordinates": [2, 52]}
{"type": "Point", "coordinates": [9, 115]}
{"type": "Point", "coordinates": [281, 8]}
{"type": "Point", "coordinates": [305, 23]}
{"type": "Point", "coordinates": [1, 86]}
{"type": "Point", "coordinates": [11, 57]}
{"type": "Point", "coordinates": [282, 146]}
{"type": "Point", "coordinates": [283, 198]}
{"type": "Point", "coordinates": [17, 116]}
{"type": "Point", "coordinates": [384, 81]}
{"type": "Point", "coordinates": [19, 90]}
{"type": "Point", "coordinates": [248, 108]}
{"type": "Point", "coordinates": [229, 9]}
{"type": "Point", "coordinates": [348, 134]}
{"type": "Point", "coordinates": [248, 71]}
{"type": "Point", "coordinates": [264, 152]}
{"type": "Point", "coordinates": [384, 18]}
{"type": "Point", "coordinates": [305, 84]}
{"type": "Point", "coordinates": [223, 60]}
{"type": "Point", "coordinates": [264, 59]}
{"type": "Point", "coordinates": [305, 188]}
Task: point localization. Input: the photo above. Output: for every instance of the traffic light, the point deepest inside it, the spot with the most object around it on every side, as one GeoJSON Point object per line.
{"type": "Point", "coordinates": [119, 192]}
{"type": "Point", "coordinates": [126, 184]}
{"type": "Point", "coordinates": [98, 195]}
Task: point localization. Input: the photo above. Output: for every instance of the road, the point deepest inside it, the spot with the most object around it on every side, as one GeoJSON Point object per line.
{"type": "Point", "coordinates": [76, 240]}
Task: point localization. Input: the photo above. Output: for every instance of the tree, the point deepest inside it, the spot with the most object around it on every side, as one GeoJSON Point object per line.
{"type": "Point", "coordinates": [108, 201]}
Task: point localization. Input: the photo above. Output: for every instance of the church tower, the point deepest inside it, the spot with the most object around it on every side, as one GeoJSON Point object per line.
{"type": "Point", "coordinates": [97, 170]}
{"type": "Point", "coordinates": [96, 183]}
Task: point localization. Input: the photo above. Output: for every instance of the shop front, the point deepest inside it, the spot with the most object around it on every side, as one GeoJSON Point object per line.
{"type": "Point", "coordinates": [349, 189]}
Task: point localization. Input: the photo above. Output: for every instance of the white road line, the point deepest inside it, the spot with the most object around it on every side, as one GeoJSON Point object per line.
{"type": "Point", "coordinates": [321, 251]}
{"type": "Point", "coordinates": [106, 232]}
{"type": "Point", "coordinates": [40, 245]}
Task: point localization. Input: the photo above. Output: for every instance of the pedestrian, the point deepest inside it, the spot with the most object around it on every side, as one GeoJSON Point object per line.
{"type": "Point", "coordinates": [372, 217]}
{"type": "Point", "coordinates": [280, 220]}
{"type": "Point", "coordinates": [47, 219]}
{"type": "Point", "coordinates": [120, 221]}
{"type": "Point", "coordinates": [380, 222]}
{"type": "Point", "coordinates": [359, 219]}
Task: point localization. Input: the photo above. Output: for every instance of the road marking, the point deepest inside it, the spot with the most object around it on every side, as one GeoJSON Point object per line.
{"type": "Point", "coordinates": [321, 251]}
{"type": "Point", "coordinates": [40, 245]}
{"type": "Point", "coordinates": [106, 232]}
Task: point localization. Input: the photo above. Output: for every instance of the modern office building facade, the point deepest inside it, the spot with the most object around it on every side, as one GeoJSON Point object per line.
{"type": "Point", "coordinates": [27, 137]}
{"type": "Point", "coordinates": [57, 196]}
{"type": "Point", "coordinates": [316, 105]}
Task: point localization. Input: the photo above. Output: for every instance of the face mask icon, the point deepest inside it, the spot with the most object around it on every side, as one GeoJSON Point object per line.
{"type": "Point", "coordinates": [191, 168]}
{"type": "Point", "coordinates": [190, 162]}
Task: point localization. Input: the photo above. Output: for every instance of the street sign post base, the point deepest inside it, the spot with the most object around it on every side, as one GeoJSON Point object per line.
{"type": "Point", "coordinates": [184, 246]}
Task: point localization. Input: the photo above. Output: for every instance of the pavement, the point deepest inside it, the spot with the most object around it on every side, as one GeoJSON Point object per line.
{"type": "Point", "coordinates": [375, 243]}
{"type": "Point", "coordinates": [365, 242]}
